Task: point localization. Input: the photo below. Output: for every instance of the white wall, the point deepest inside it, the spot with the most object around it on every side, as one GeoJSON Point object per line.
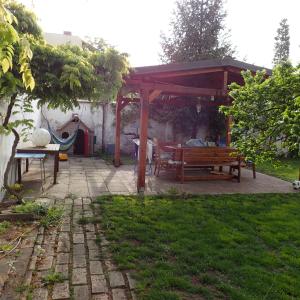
{"type": "Point", "coordinates": [7, 141]}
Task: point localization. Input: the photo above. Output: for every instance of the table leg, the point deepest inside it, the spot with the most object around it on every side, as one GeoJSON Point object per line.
{"type": "Point", "coordinates": [55, 167]}
{"type": "Point", "coordinates": [57, 163]}
{"type": "Point", "coordinates": [19, 170]}
{"type": "Point", "coordinates": [27, 164]}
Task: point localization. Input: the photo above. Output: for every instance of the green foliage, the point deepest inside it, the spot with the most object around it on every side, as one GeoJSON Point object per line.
{"type": "Point", "coordinates": [4, 226]}
{"type": "Point", "coordinates": [52, 218]}
{"type": "Point", "coordinates": [284, 168]}
{"type": "Point", "coordinates": [197, 32]}
{"type": "Point", "coordinates": [14, 42]}
{"type": "Point", "coordinates": [282, 43]}
{"type": "Point", "coordinates": [31, 207]}
{"type": "Point", "coordinates": [52, 278]}
{"type": "Point", "coordinates": [266, 113]}
{"type": "Point", "coordinates": [210, 247]}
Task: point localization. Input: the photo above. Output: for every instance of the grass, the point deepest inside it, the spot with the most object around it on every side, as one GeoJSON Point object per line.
{"type": "Point", "coordinates": [48, 216]}
{"type": "Point", "coordinates": [287, 169]}
{"type": "Point", "coordinates": [4, 226]}
{"type": "Point", "coordinates": [207, 247]}
{"type": "Point", "coordinates": [52, 278]}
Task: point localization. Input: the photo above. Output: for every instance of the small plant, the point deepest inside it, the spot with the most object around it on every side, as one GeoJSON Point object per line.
{"type": "Point", "coordinates": [52, 278]}
{"type": "Point", "coordinates": [6, 247]}
{"type": "Point", "coordinates": [52, 217]}
{"type": "Point", "coordinates": [31, 207]}
{"type": "Point", "coordinates": [4, 226]}
{"type": "Point", "coordinates": [71, 196]}
{"type": "Point", "coordinates": [173, 192]}
{"type": "Point", "coordinates": [17, 187]}
{"type": "Point", "coordinates": [22, 288]}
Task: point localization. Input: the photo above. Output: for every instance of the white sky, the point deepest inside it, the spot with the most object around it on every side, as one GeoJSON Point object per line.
{"type": "Point", "coordinates": [134, 26]}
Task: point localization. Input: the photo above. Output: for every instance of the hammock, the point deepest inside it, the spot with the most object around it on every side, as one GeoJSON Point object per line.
{"type": "Point", "coordinates": [65, 144]}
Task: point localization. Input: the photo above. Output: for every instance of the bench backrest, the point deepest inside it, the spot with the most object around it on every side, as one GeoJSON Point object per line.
{"type": "Point", "coordinates": [205, 155]}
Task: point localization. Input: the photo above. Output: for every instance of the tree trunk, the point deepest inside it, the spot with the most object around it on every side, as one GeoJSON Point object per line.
{"type": "Point", "coordinates": [13, 150]}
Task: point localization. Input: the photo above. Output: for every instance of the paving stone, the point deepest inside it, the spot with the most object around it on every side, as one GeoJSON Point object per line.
{"type": "Point", "coordinates": [90, 236]}
{"type": "Point", "coordinates": [94, 255]}
{"type": "Point", "coordinates": [99, 284]}
{"type": "Point", "coordinates": [32, 263]}
{"type": "Point", "coordinates": [65, 228]}
{"type": "Point", "coordinates": [78, 238]}
{"type": "Point", "coordinates": [46, 263]}
{"type": "Point", "coordinates": [39, 239]}
{"type": "Point", "coordinates": [28, 242]}
{"type": "Point", "coordinates": [90, 228]}
{"type": "Point", "coordinates": [116, 279]}
{"type": "Point", "coordinates": [86, 201]}
{"type": "Point", "coordinates": [79, 261]}
{"type": "Point", "coordinates": [119, 294]}
{"type": "Point", "coordinates": [4, 269]}
{"type": "Point", "coordinates": [63, 269]}
{"type": "Point", "coordinates": [133, 295]}
{"type": "Point", "coordinates": [110, 265]}
{"type": "Point", "coordinates": [79, 276]}
{"type": "Point", "coordinates": [27, 278]}
{"type": "Point", "coordinates": [92, 245]}
{"type": "Point", "coordinates": [62, 258]}
{"type": "Point", "coordinates": [40, 294]}
{"type": "Point", "coordinates": [78, 201]}
{"type": "Point", "coordinates": [61, 291]}
{"type": "Point", "coordinates": [78, 249]}
{"type": "Point", "coordinates": [103, 241]}
{"type": "Point", "coordinates": [131, 281]}
{"type": "Point", "coordinates": [49, 239]}
{"type": "Point", "coordinates": [96, 267]}
{"type": "Point", "coordinates": [63, 246]}
{"type": "Point", "coordinates": [100, 297]}
{"type": "Point", "coordinates": [81, 292]}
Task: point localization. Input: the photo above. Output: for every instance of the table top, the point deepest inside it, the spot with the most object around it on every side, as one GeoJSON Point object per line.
{"type": "Point", "coordinates": [30, 155]}
{"type": "Point", "coordinates": [50, 148]}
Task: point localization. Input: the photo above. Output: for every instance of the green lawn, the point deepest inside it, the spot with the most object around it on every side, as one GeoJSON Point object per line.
{"type": "Point", "coordinates": [207, 247]}
{"type": "Point", "coordinates": [287, 169]}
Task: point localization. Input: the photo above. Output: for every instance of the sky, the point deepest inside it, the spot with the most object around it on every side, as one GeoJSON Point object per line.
{"type": "Point", "coordinates": [134, 26]}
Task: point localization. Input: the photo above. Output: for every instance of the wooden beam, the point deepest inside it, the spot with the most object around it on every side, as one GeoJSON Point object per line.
{"type": "Point", "coordinates": [144, 114]}
{"type": "Point", "coordinates": [154, 95]}
{"type": "Point", "coordinates": [117, 156]}
{"type": "Point", "coordinates": [187, 72]}
{"type": "Point", "coordinates": [229, 118]}
{"type": "Point", "coordinates": [174, 88]}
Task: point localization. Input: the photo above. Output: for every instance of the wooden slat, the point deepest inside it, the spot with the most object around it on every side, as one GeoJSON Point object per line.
{"type": "Point", "coordinates": [174, 88]}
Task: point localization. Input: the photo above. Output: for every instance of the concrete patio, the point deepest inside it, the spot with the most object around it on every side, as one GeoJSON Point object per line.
{"type": "Point", "coordinates": [90, 177]}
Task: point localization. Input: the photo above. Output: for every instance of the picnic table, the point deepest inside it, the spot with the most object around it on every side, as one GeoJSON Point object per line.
{"type": "Point", "coordinates": [193, 158]}
{"type": "Point", "coordinates": [51, 149]}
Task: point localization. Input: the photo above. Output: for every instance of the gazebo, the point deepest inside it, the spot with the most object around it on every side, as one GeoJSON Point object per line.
{"type": "Point", "coordinates": [207, 80]}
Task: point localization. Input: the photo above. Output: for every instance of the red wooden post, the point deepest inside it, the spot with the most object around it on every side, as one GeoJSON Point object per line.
{"type": "Point", "coordinates": [144, 112]}
{"type": "Point", "coordinates": [117, 160]}
{"type": "Point", "coordinates": [229, 118]}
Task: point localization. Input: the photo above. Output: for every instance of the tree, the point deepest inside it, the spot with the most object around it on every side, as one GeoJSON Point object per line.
{"type": "Point", "coordinates": [266, 113]}
{"type": "Point", "coordinates": [282, 43]}
{"type": "Point", "coordinates": [15, 75]}
{"type": "Point", "coordinates": [197, 32]}
{"type": "Point", "coordinates": [62, 75]}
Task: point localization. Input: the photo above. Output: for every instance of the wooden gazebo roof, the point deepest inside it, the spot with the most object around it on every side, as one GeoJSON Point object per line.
{"type": "Point", "coordinates": [207, 80]}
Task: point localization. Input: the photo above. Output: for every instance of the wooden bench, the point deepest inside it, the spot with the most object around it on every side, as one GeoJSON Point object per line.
{"type": "Point", "coordinates": [191, 159]}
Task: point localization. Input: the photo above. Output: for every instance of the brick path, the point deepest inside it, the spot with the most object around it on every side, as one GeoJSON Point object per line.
{"type": "Point", "coordinates": [73, 250]}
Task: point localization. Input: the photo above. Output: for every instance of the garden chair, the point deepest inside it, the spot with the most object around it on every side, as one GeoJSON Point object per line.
{"type": "Point", "coordinates": [162, 156]}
